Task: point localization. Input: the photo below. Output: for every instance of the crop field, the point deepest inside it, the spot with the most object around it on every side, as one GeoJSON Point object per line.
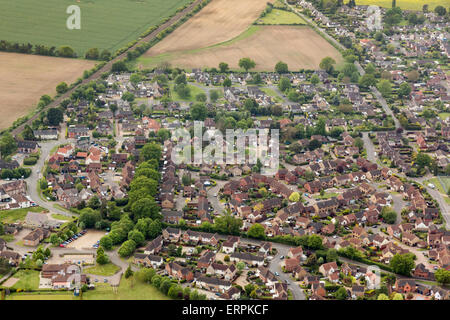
{"type": "Point", "coordinates": [298, 46]}
{"type": "Point", "coordinates": [105, 24]}
{"type": "Point", "coordinates": [406, 4]}
{"type": "Point", "coordinates": [280, 17]}
{"type": "Point", "coordinates": [25, 78]}
{"type": "Point", "coordinates": [219, 21]}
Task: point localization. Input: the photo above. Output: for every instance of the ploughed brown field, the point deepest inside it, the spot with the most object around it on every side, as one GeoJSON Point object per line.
{"type": "Point", "coordinates": [25, 78]}
{"type": "Point", "coordinates": [219, 21]}
{"type": "Point", "coordinates": [223, 32]}
{"type": "Point", "coordinates": [298, 46]}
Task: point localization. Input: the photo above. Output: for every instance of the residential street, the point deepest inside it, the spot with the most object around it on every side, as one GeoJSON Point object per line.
{"type": "Point", "coordinates": [370, 148]}
{"type": "Point", "coordinates": [33, 180]}
{"type": "Point", "coordinates": [213, 197]}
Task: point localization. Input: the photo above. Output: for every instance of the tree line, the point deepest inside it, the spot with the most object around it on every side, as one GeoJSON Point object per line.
{"type": "Point", "coordinates": [43, 50]}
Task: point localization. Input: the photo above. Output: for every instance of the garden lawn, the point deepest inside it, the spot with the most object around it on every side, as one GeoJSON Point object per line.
{"type": "Point", "coordinates": [442, 184]}
{"type": "Point", "coordinates": [55, 295]}
{"type": "Point", "coordinates": [108, 269]}
{"type": "Point", "coordinates": [194, 92]}
{"type": "Point", "coordinates": [444, 115]}
{"type": "Point", "coordinates": [61, 217]}
{"type": "Point", "coordinates": [15, 215]}
{"type": "Point", "coordinates": [445, 183]}
{"type": "Point", "coordinates": [129, 289]}
{"type": "Point", "coordinates": [272, 93]}
{"type": "Point", "coordinates": [326, 195]}
{"type": "Point", "coordinates": [28, 280]}
{"type": "Point", "coordinates": [7, 237]}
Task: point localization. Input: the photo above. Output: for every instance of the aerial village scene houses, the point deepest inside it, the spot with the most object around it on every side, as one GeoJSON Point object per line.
{"type": "Point", "coordinates": [90, 195]}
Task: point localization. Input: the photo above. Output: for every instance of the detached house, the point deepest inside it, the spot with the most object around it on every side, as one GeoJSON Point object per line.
{"type": "Point", "coordinates": [179, 272]}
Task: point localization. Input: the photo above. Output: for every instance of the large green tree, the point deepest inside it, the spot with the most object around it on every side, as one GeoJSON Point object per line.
{"type": "Point", "coordinates": [247, 64]}
{"type": "Point", "coordinates": [402, 264]}
{"type": "Point", "coordinates": [256, 231]}
{"type": "Point", "coordinates": [55, 116]}
{"type": "Point", "coordinates": [198, 112]}
{"type": "Point", "coordinates": [327, 64]}
{"type": "Point", "coordinates": [228, 224]}
{"type": "Point", "coordinates": [151, 151]}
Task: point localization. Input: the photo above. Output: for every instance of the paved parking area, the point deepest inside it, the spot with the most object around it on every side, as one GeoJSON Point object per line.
{"type": "Point", "coordinates": [72, 258]}
{"type": "Point", "coordinates": [87, 240]}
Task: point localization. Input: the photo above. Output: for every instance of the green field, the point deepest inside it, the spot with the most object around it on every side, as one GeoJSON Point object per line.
{"type": "Point", "coordinates": [28, 280]}
{"type": "Point", "coordinates": [326, 196]}
{"type": "Point", "coordinates": [442, 184]}
{"type": "Point", "coordinates": [444, 115]}
{"type": "Point", "coordinates": [405, 4]}
{"type": "Point", "coordinates": [41, 296]}
{"type": "Point", "coordinates": [108, 269]}
{"type": "Point", "coordinates": [129, 289]}
{"type": "Point", "coordinates": [61, 217]}
{"type": "Point", "coordinates": [14, 215]}
{"type": "Point", "coordinates": [194, 92]}
{"type": "Point", "coordinates": [105, 24]}
{"type": "Point", "coordinates": [280, 17]}
{"type": "Point", "coordinates": [272, 93]}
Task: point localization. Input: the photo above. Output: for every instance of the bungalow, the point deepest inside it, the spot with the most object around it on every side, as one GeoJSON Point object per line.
{"type": "Point", "coordinates": [410, 239]}
{"type": "Point", "coordinates": [148, 260]}
{"type": "Point", "coordinates": [51, 134]}
{"type": "Point", "coordinates": [27, 146]}
{"type": "Point", "coordinates": [213, 284]}
{"type": "Point", "coordinates": [248, 258]}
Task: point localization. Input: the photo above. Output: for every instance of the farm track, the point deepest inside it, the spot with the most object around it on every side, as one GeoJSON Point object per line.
{"type": "Point", "coordinates": [108, 65]}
